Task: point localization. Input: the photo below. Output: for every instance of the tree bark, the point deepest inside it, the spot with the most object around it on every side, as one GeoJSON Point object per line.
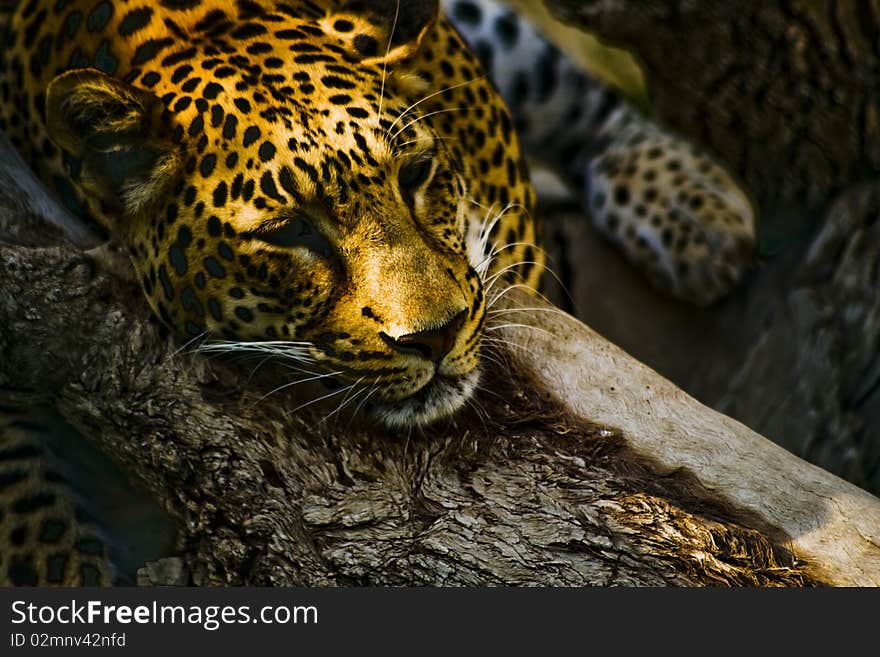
{"type": "Point", "coordinates": [578, 466]}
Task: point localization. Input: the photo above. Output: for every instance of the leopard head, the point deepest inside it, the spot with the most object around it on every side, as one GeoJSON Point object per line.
{"type": "Point", "coordinates": [288, 191]}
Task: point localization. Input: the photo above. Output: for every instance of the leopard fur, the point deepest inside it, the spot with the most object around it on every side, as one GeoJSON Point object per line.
{"type": "Point", "coordinates": [335, 201]}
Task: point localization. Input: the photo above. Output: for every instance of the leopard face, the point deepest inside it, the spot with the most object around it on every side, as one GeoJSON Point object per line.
{"type": "Point", "coordinates": [325, 182]}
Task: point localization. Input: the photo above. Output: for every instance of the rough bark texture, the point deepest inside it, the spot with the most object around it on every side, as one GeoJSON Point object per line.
{"type": "Point", "coordinates": [786, 93]}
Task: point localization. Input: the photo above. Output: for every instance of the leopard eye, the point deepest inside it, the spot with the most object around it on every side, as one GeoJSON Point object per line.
{"type": "Point", "coordinates": [414, 174]}
{"type": "Point", "coordinates": [296, 231]}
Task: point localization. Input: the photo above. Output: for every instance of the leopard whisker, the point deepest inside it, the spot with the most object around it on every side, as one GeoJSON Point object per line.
{"type": "Point", "coordinates": [493, 341]}
{"type": "Point", "coordinates": [509, 245]}
{"type": "Point", "coordinates": [485, 265]}
{"type": "Point", "coordinates": [524, 286]}
{"type": "Point", "coordinates": [427, 98]}
{"type": "Point", "coordinates": [187, 344]}
{"type": "Point", "coordinates": [501, 346]}
{"type": "Point", "coordinates": [492, 358]}
{"type": "Point", "coordinates": [296, 351]}
{"type": "Point", "coordinates": [487, 391]}
{"type": "Point", "coordinates": [485, 231]}
{"type": "Point", "coordinates": [480, 411]}
{"type": "Point", "coordinates": [489, 208]}
{"type": "Point", "coordinates": [347, 399]}
{"type": "Point", "coordinates": [492, 325]}
{"type": "Point", "coordinates": [406, 444]}
{"type": "Point", "coordinates": [291, 384]}
{"type": "Point", "coordinates": [262, 362]}
{"type": "Point", "coordinates": [494, 278]}
{"type": "Point", "coordinates": [552, 310]}
{"type": "Point", "coordinates": [496, 296]}
{"type": "Point", "coordinates": [487, 225]}
{"type": "Point", "coordinates": [399, 147]}
{"type": "Point", "coordinates": [269, 357]}
{"type": "Point", "coordinates": [385, 61]}
{"type": "Point", "coordinates": [373, 390]}
{"type": "Point", "coordinates": [425, 116]}
{"type": "Point", "coordinates": [256, 344]}
{"type": "Point", "coordinates": [330, 394]}
{"type": "Point", "coordinates": [518, 325]}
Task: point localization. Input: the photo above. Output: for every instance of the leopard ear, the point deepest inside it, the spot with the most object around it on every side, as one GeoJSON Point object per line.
{"type": "Point", "coordinates": [397, 27]}
{"type": "Point", "coordinates": [117, 134]}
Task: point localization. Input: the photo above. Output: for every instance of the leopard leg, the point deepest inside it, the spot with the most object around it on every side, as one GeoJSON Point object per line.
{"type": "Point", "coordinates": [674, 211]}
{"type": "Point", "coordinates": [68, 516]}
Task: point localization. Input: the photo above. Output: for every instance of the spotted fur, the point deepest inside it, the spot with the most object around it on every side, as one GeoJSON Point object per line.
{"type": "Point", "coordinates": [317, 172]}
{"type": "Point", "coordinates": [47, 534]}
{"type": "Point", "coordinates": [674, 211]}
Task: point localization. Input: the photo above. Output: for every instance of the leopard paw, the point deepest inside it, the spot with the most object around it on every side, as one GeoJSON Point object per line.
{"type": "Point", "coordinates": [675, 213]}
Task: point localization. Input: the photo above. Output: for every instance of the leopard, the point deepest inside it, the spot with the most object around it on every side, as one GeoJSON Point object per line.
{"type": "Point", "coordinates": [339, 183]}
{"type": "Point", "coordinates": [285, 199]}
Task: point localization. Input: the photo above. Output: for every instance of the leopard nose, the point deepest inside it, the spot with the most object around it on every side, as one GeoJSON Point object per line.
{"type": "Point", "coordinates": [432, 344]}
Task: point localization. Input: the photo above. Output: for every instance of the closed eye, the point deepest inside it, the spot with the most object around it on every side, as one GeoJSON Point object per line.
{"type": "Point", "coordinates": [292, 232]}
{"type": "Point", "coordinates": [413, 175]}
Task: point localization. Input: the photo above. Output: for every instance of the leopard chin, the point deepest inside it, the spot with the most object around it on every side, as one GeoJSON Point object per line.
{"type": "Point", "coordinates": [437, 400]}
